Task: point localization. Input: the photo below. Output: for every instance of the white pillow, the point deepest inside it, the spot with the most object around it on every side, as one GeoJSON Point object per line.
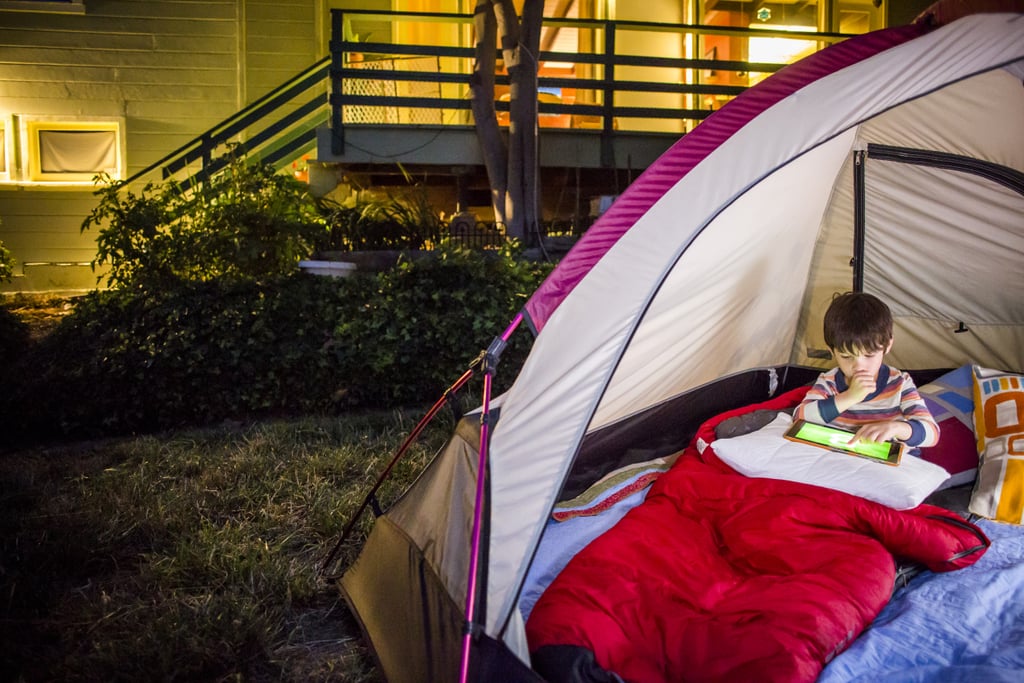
{"type": "Point", "coordinates": [766, 454]}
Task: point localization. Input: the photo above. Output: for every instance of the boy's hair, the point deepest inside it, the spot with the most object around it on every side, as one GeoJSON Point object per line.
{"type": "Point", "coordinates": [856, 321]}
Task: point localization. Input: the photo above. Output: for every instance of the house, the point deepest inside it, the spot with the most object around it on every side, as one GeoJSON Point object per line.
{"type": "Point", "coordinates": [120, 86]}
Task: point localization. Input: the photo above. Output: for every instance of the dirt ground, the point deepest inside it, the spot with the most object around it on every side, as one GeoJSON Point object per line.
{"type": "Point", "coordinates": [41, 312]}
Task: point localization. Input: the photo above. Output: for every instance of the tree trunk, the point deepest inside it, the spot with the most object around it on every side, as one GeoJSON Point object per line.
{"type": "Point", "coordinates": [512, 170]}
{"type": "Point", "coordinates": [481, 99]}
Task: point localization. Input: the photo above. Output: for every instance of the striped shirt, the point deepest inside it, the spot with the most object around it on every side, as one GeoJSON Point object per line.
{"type": "Point", "coordinates": [895, 398]}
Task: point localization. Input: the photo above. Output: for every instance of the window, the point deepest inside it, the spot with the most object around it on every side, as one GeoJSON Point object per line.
{"type": "Point", "coordinates": [70, 151]}
{"type": "Point", "coordinates": [5, 173]}
{"type": "Point", "coordinates": [56, 6]}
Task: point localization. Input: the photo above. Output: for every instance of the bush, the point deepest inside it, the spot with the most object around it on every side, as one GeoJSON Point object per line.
{"type": "Point", "coordinates": [247, 222]}
{"type": "Point", "coordinates": [397, 222]}
{"type": "Point", "coordinates": [6, 264]}
{"type": "Point", "coordinates": [431, 317]}
{"type": "Point", "coordinates": [13, 331]}
{"type": "Point", "coordinates": [134, 361]}
{"type": "Point", "coordinates": [137, 360]}
{"type": "Point", "coordinates": [14, 339]}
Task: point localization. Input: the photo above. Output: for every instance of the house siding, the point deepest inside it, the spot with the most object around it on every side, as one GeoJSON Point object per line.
{"type": "Point", "coordinates": [169, 69]}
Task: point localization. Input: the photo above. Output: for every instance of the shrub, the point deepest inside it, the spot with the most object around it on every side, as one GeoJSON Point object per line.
{"type": "Point", "coordinates": [407, 221]}
{"type": "Point", "coordinates": [13, 331]}
{"type": "Point", "coordinates": [429, 319]}
{"type": "Point", "coordinates": [133, 361]}
{"type": "Point", "coordinates": [6, 264]}
{"type": "Point", "coordinates": [14, 339]}
{"type": "Point", "coordinates": [194, 353]}
{"type": "Point", "coordinates": [247, 222]}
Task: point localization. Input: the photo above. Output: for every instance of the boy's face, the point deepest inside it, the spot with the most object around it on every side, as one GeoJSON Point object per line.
{"type": "Point", "coordinates": [852, 362]}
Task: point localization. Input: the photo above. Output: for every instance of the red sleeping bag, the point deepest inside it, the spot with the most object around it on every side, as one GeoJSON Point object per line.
{"type": "Point", "coordinates": [720, 577]}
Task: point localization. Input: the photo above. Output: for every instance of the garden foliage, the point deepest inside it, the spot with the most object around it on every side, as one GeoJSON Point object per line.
{"type": "Point", "coordinates": [132, 360]}
{"type": "Point", "coordinates": [208, 317]}
{"type": "Point", "coordinates": [13, 331]}
{"type": "Point", "coordinates": [14, 337]}
{"type": "Point", "coordinates": [6, 264]}
{"type": "Point", "coordinates": [427, 319]}
{"type": "Point", "coordinates": [248, 222]}
{"type": "Point", "coordinates": [404, 221]}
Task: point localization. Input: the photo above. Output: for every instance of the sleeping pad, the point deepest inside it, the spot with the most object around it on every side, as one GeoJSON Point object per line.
{"type": "Point", "coordinates": [720, 577]}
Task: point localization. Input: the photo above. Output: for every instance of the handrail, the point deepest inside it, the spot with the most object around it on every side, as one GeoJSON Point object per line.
{"type": "Point", "coordinates": [283, 122]}
{"type": "Point", "coordinates": [203, 146]}
{"type": "Point", "coordinates": [618, 76]}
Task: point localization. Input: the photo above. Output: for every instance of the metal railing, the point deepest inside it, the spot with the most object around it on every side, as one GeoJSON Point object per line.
{"type": "Point", "coordinates": [613, 86]}
{"type": "Point", "coordinates": [276, 128]}
{"type": "Point", "coordinates": [415, 83]}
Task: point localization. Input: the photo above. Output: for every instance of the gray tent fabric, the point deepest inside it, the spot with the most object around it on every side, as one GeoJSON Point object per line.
{"type": "Point", "coordinates": [914, 149]}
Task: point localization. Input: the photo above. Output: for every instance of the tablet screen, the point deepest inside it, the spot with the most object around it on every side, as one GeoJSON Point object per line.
{"type": "Point", "coordinates": [837, 439]}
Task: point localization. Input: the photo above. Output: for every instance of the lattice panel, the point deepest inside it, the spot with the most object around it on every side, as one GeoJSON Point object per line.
{"type": "Point", "coordinates": [369, 87]}
{"type": "Point", "coordinates": [382, 88]}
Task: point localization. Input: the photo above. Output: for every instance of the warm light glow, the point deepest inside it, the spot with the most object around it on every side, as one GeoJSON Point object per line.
{"type": "Point", "coordinates": [71, 151]}
{"type": "Point", "coordinates": [780, 50]}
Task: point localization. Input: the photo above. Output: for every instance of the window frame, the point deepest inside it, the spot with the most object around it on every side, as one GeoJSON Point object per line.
{"type": "Point", "coordinates": [48, 6]}
{"type": "Point", "coordinates": [7, 149]}
{"type": "Point", "coordinates": [30, 157]}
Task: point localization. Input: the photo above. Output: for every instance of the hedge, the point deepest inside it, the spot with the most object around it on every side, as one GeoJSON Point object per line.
{"type": "Point", "coordinates": [196, 353]}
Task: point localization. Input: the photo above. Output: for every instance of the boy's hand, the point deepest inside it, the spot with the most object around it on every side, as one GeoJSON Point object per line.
{"type": "Point", "coordinates": [890, 430]}
{"type": "Point", "coordinates": [861, 385]}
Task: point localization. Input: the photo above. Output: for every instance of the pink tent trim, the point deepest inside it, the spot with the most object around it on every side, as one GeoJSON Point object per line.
{"type": "Point", "coordinates": [690, 150]}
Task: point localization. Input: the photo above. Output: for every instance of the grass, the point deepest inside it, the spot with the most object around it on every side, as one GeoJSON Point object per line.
{"type": "Point", "coordinates": [194, 555]}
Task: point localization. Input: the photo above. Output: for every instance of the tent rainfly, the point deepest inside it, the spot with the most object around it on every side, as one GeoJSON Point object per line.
{"type": "Point", "coordinates": [892, 163]}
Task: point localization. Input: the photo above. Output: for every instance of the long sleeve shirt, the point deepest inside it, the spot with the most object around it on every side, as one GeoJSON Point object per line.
{"type": "Point", "coordinates": [895, 398]}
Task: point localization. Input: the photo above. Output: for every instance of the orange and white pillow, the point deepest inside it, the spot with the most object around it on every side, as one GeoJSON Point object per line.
{"type": "Point", "coordinates": [999, 427]}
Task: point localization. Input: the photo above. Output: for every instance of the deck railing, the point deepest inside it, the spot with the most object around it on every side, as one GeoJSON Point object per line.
{"type": "Point", "coordinates": [610, 83]}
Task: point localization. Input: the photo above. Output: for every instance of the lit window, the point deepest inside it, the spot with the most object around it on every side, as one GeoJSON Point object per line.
{"type": "Point", "coordinates": [71, 151]}
{"type": "Point", "coordinates": [4, 173]}
{"type": "Point", "coordinates": [775, 50]}
{"type": "Point", "coordinates": [53, 6]}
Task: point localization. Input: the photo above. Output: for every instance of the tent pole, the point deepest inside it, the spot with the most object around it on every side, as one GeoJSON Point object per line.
{"type": "Point", "coordinates": [413, 435]}
{"type": "Point", "coordinates": [472, 628]}
{"type": "Point", "coordinates": [857, 261]}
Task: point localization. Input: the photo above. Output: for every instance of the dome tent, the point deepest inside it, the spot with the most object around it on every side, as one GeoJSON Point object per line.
{"type": "Point", "coordinates": [892, 162]}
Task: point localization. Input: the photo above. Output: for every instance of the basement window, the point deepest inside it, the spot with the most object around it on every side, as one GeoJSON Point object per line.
{"type": "Point", "coordinates": [71, 151]}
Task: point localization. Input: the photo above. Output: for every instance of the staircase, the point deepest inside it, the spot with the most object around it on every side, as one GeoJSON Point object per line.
{"type": "Point", "coordinates": [275, 129]}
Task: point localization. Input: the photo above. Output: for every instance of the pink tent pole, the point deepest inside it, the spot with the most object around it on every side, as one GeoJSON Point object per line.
{"type": "Point", "coordinates": [490, 361]}
{"type": "Point", "coordinates": [413, 435]}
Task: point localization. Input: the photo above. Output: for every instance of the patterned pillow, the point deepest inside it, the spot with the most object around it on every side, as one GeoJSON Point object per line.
{"type": "Point", "coordinates": [999, 425]}
{"type": "Point", "coordinates": [950, 399]}
{"type": "Point", "coordinates": [612, 488]}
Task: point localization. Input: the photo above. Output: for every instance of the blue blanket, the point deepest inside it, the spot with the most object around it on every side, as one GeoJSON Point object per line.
{"type": "Point", "coordinates": [960, 627]}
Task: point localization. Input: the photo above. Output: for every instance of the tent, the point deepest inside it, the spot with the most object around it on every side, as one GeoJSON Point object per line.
{"type": "Point", "coordinates": [892, 162]}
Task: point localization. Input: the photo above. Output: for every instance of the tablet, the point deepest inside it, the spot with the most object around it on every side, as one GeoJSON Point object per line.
{"type": "Point", "coordinates": [836, 439]}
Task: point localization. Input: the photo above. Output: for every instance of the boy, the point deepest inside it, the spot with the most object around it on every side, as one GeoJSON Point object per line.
{"type": "Point", "coordinates": [862, 393]}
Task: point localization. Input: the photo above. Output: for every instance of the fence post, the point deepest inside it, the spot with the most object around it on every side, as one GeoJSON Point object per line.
{"type": "Point", "coordinates": [337, 86]}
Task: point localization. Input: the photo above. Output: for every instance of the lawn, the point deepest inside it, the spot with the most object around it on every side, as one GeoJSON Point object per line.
{"type": "Point", "coordinates": [193, 555]}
